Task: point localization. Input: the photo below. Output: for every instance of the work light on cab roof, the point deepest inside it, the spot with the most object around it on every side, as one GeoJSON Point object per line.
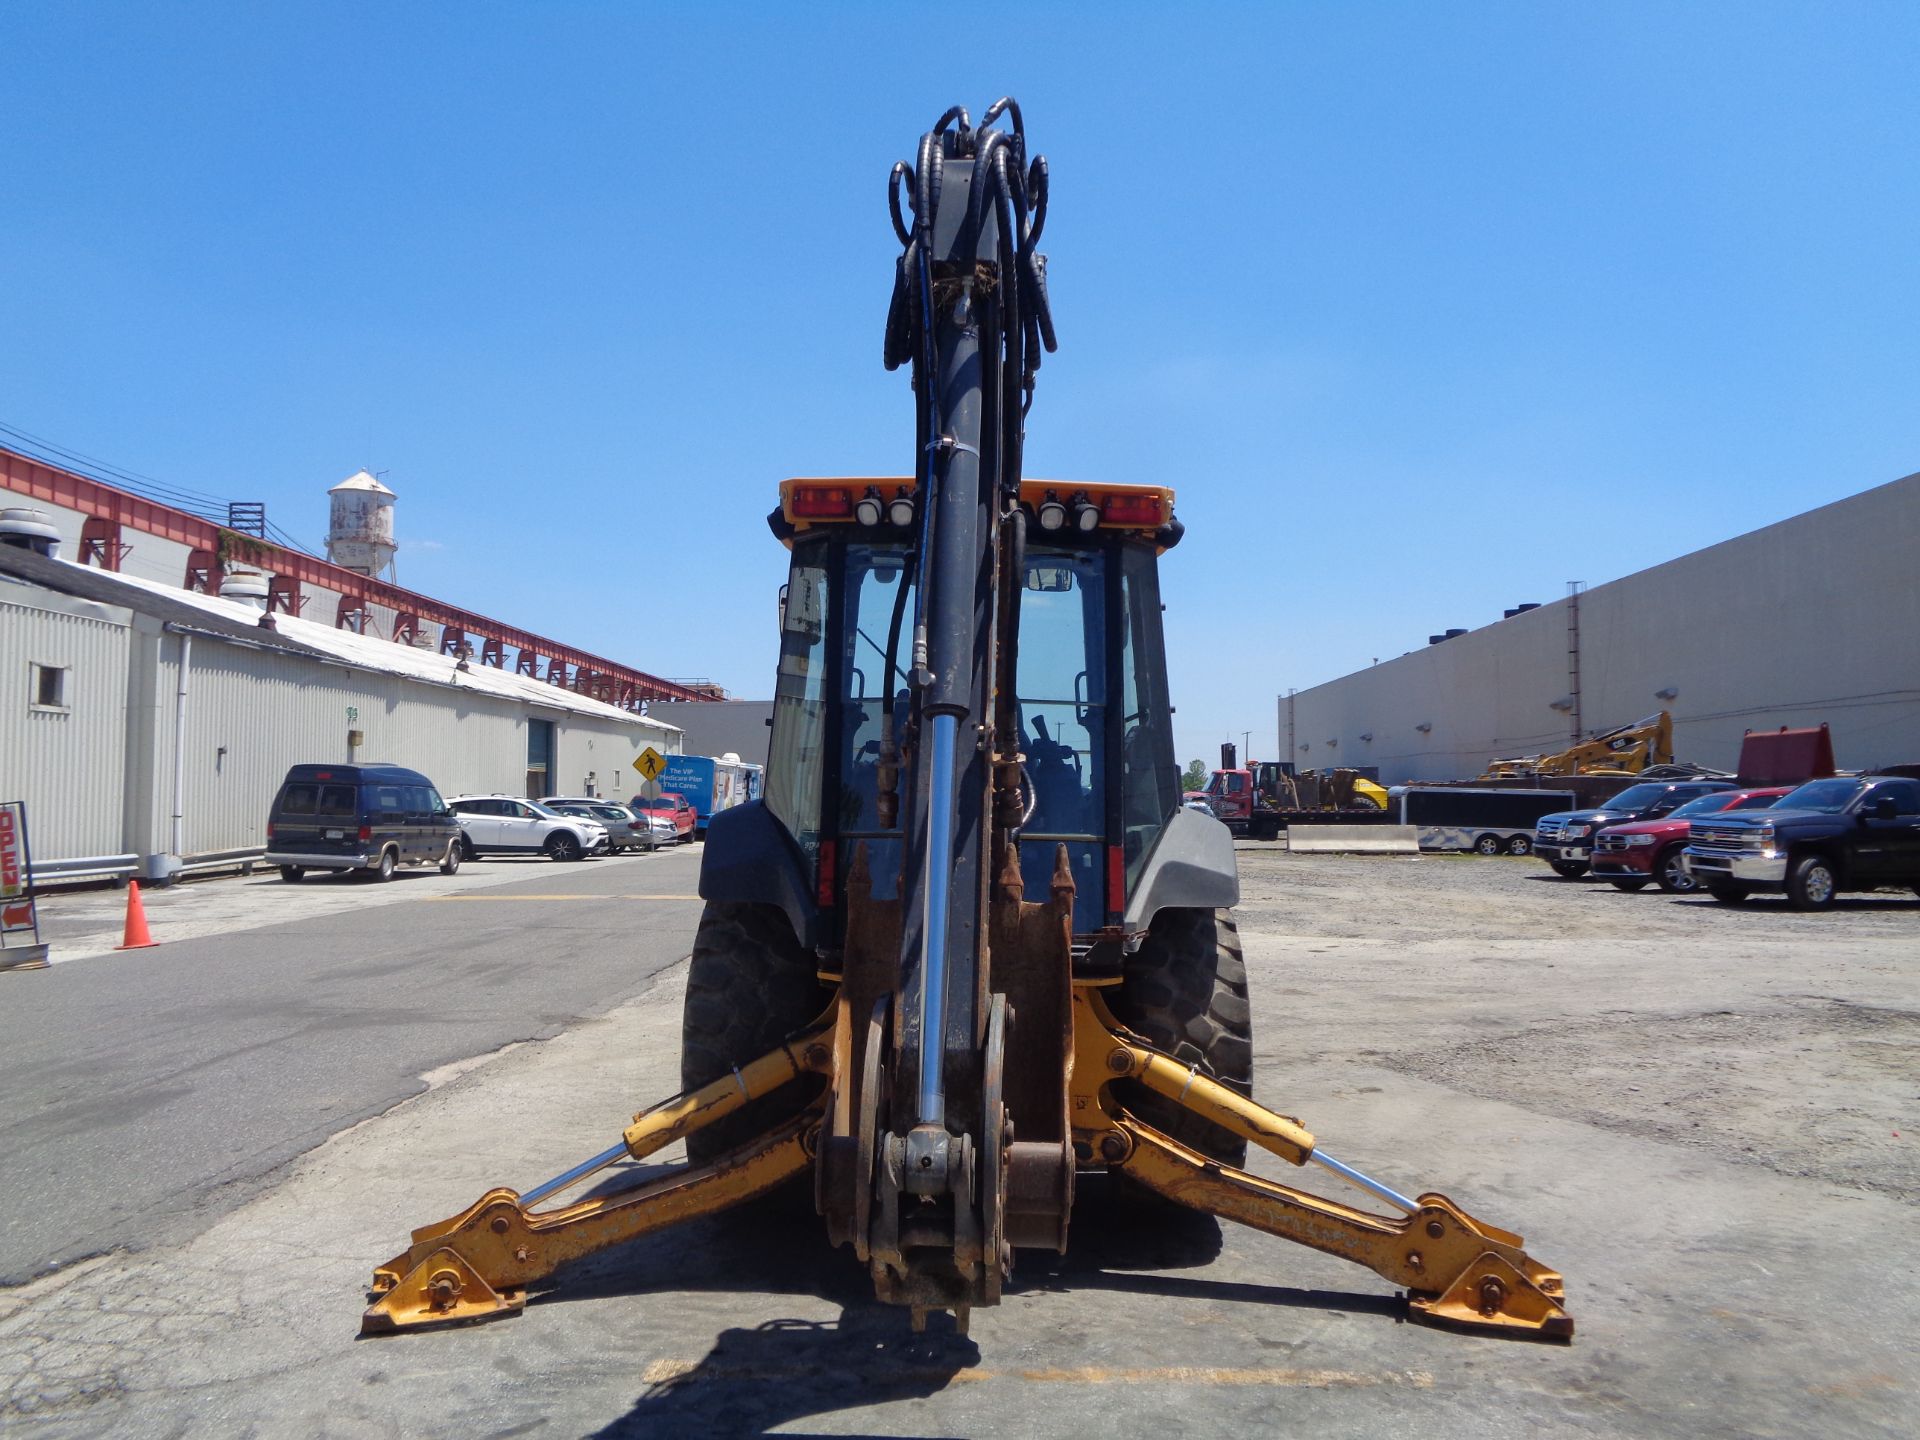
{"type": "Point", "coordinates": [1052, 507]}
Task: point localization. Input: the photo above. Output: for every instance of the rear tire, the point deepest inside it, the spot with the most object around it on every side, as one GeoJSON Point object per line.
{"type": "Point", "coordinates": [1520, 845]}
{"type": "Point", "coordinates": [1632, 887]}
{"type": "Point", "coordinates": [1487, 845]}
{"type": "Point", "coordinates": [1568, 869]}
{"type": "Point", "coordinates": [389, 862]}
{"type": "Point", "coordinates": [1811, 883]}
{"type": "Point", "coordinates": [292, 873]}
{"type": "Point", "coordinates": [1185, 990]}
{"type": "Point", "coordinates": [467, 852]}
{"type": "Point", "coordinates": [749, 987]}
{"type": "Point", "coordinates": [1727, 893]}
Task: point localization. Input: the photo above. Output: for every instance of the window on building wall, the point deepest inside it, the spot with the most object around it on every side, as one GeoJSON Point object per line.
{"type": "Point", "coordinates": [48, 687]}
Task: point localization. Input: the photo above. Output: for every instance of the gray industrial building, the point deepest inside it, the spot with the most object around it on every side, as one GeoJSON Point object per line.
{"type": "Point", "coordinates": [720, 727]}
{"type": "Point", "coordinates": [1815, 619]}
{"type": "Point", "coordinates": [148, 727]}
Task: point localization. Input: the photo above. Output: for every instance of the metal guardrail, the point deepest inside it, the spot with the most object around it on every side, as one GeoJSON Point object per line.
{"type": "Point", "coordinates": [247, 856]}
{"type": "Point", "coordinates": [89, 867]}
{"type": "Point", "coordinates": [114, 867]}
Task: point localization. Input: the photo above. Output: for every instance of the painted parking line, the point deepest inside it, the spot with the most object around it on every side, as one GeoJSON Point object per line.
{"type": "Point", "coordinates": [664, 1372]}
{"type": "Point", "coordinates": [469, 899]}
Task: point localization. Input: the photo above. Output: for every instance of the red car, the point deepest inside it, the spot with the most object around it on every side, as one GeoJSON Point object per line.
{"type": "Point", "coordinates": [672, 807]}
{"type": "Point", "coordinates": [1643, 852]}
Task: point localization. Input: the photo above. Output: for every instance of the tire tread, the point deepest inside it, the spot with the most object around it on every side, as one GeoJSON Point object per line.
{"type": "Point", "coordinates": [750, 985]}
{"type": "Point", "coordinates": [1185, 990]}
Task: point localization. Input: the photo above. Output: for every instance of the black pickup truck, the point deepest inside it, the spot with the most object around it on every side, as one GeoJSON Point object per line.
{"type": "Point", "coordinates": [1843, 833]}
{"type": "Point", "coordinates": [1565, 839]}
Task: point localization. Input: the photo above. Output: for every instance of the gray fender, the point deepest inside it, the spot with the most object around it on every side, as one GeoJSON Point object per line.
{"type": "Point", "coordinates": [1191, 867]}
{"type": "Point", "coordinates": [750, 858]}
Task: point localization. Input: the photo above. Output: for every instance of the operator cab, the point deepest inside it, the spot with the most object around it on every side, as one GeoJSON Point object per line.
{"type": "Point", "coordinates": [1091, 683]}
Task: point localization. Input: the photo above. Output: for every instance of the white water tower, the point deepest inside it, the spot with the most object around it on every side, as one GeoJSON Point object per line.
{"type": "Point", "coordinates": [360, 526]}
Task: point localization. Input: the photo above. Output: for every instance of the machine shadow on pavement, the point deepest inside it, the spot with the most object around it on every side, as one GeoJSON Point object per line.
{"type": "Point", "coordinates": [754, 1380]}
{"type": "Point", "coordinates": [757, 1378]}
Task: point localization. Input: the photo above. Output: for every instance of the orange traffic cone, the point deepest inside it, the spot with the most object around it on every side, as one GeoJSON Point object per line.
{"type": "Point", "coordinates": [137, 936]}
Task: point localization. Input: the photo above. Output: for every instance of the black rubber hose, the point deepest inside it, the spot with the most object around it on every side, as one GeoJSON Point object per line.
{"type": "Point", "coordinates": [1005, 105]}
{"type": "Point", "coordinates": [901, 171]}
{"type": "Point", "coordinates": [1036, 197]}
{"type": "Point", "coordinates": [992, 147]}
{"type": "Point", "coordinates": [1013, 377]}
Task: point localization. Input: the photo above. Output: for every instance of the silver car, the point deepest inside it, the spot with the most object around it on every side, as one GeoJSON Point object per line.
{"type": "Point", "coordinates": [506, 825]}
{"type": "Point", "coordinates": [626, 829]}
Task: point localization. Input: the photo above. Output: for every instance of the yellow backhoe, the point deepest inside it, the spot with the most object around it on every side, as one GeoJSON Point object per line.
{"type": "Point", "coordinates": [1625, 751]}
{"type": "Point", "coordinates": [969, 945]}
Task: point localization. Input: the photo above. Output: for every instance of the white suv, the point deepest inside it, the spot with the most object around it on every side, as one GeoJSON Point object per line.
{"type": "Point", "coordinates": [503, 825]}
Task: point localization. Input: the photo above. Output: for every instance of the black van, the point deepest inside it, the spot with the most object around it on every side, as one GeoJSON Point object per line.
{"type": "Point", "coordinates": [374, 818]}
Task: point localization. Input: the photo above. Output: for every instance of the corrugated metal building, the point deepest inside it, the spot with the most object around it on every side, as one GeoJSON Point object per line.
{"type": "Point", "coordinates": [1815, 619]}
{"type": "Point", "coordinates": [91, 692]}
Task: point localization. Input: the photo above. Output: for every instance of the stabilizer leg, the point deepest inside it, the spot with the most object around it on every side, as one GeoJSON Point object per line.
{"type": "Point", "coordinates": [1455, 1269]}
{"type": "Point", "coordinates": [478, 1264]}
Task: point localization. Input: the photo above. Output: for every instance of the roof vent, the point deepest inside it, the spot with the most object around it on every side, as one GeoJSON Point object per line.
{"type": "Point", "coordinates": [26, 529]}
{"type": "Point", "coordinates": [249, 587]}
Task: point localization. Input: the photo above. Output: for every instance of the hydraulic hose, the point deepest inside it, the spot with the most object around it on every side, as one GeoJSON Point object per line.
{"type": "Point", "coordinates": [969, 314]}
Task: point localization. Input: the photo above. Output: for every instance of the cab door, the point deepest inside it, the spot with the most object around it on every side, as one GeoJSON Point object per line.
{"type": "Point", "coordinates": [1887, 851]}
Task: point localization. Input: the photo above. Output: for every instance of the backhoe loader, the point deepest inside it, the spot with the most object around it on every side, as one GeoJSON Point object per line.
{"type": "Point", "coordinates": [969, 944]}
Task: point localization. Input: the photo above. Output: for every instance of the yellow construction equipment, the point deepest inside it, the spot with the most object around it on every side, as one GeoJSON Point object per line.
{"type": "Point", "coordinates": [971, 706]}
{"type": "Point", "coordinates": [1625, 751]}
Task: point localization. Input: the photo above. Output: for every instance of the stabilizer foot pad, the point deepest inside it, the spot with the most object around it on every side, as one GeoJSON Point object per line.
{"type": "Point", "coordinates": [442, 1289]}
{"type": "Point", "coordinates": [1493, 1294]}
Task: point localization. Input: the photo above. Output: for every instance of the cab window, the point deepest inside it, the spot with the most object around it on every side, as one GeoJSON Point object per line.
{"type": "Point", "coordinates": [797, 755]}
{"type": "Point", "coordinates": [1061, 711]}
{"type": "Point", "coordinates": [1149, 779]}
{"type": "Point", "coordinates": [1905, 795]}
{"type": "Point", "coordinates": [878, 615]}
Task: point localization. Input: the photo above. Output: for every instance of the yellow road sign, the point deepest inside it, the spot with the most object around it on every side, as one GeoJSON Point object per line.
{"type": "Point", "coordinates": [650, 763]}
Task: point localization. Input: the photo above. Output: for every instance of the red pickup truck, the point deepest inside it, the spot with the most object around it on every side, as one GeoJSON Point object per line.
{"type": "Point", "coordinates": [1644, 852]}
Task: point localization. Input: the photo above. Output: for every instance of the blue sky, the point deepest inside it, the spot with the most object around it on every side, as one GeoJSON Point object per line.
{"type": "Point", "coordinates": [1425, 310]}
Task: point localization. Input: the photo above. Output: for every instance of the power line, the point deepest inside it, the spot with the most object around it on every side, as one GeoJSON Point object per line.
{"type": "Point", "coordinates": [211, 508]}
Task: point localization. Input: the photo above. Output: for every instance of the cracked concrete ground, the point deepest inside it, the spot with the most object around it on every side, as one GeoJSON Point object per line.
{"type": "Point", "coordinates": [1689, 1111]}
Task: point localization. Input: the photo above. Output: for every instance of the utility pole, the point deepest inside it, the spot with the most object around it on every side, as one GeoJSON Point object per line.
{"type": "Point", "coordinates": [1574, 587]}
{"type": "Point", "coordinates": [1293, 759]}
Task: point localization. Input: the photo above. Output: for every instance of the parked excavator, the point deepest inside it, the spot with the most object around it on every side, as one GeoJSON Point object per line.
{"type": "Point", "coordinates": [971, 710]}
{"type": "Point", "coordinates": [1627, 750]}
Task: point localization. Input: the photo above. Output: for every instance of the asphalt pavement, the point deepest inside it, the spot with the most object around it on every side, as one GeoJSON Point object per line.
{"type": "Point", "coordinates": [149, 1092]}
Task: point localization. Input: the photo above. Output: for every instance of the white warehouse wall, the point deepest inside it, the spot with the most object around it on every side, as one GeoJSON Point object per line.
{"type": "Point", "coordinates": [98, 772]}
{"type": "Point", "coordinates": [251, 714]}
{"type": "Point", "coordinates": [1815, 619]}
{"type": "Point", "coordinates": [68, 764]}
